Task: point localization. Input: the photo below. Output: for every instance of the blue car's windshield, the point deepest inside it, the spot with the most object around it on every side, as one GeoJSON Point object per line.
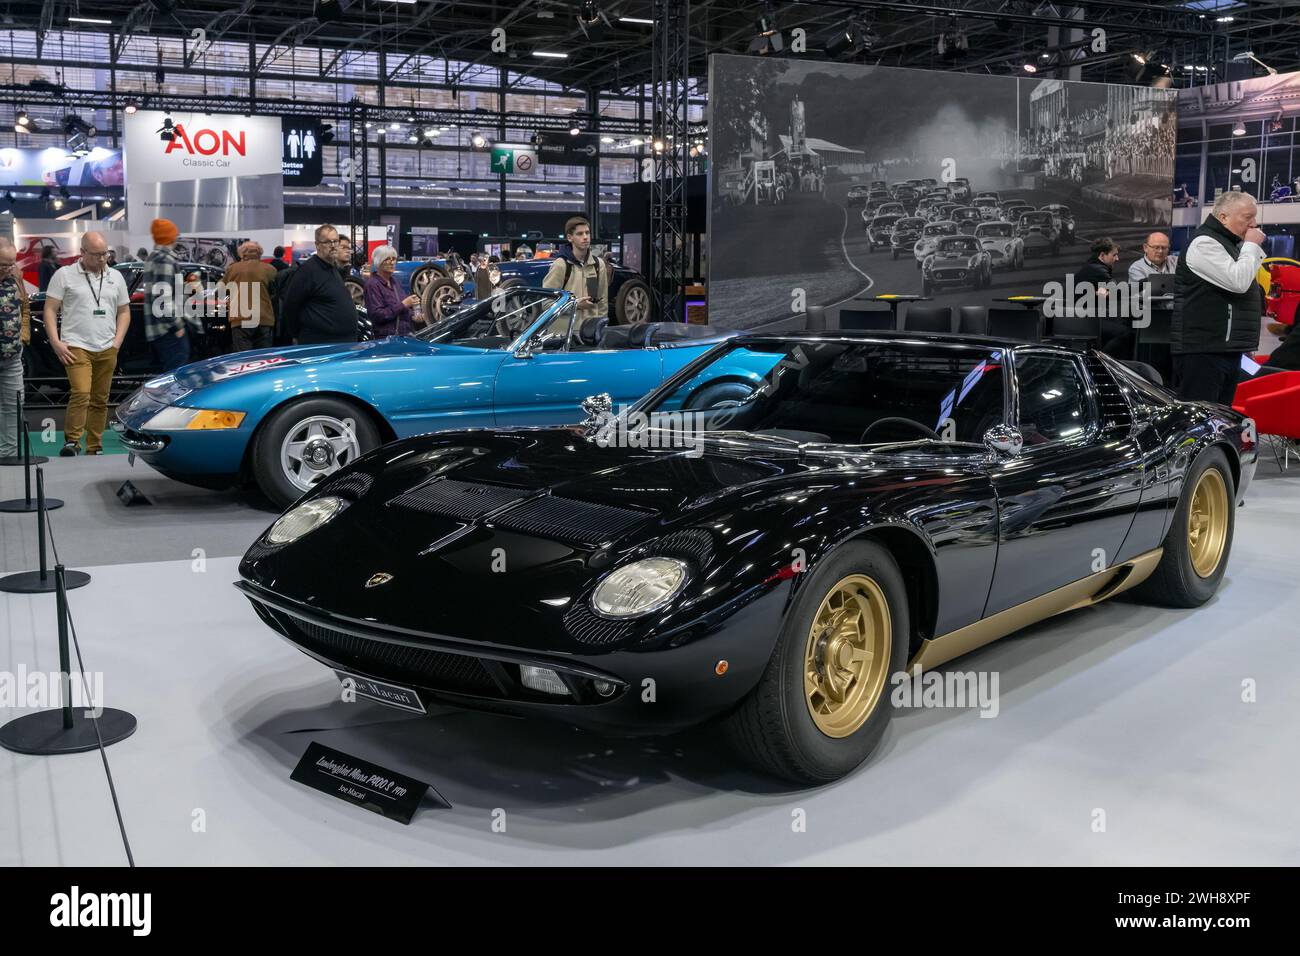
{"type": "Point", "coordinates": [492, 323]}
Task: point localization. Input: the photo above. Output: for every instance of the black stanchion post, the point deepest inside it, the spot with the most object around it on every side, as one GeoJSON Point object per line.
{"type": "Point", "coordinates": [40, 582]}
{"type": "Point", "coordinates": [66, 731]}
{"type": "Point", "coordinates": [25, 504]}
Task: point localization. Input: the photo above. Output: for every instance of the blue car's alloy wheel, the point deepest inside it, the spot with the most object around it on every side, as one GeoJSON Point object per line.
{"type": "Point", "coordinates": [305, 441]}
{"type": "Point", "coordinates": [316, 447]}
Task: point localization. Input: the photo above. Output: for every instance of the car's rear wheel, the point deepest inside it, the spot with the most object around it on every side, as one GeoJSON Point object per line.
{"type": "Point", "coordinates": [421, 278]}
{"type": "Point", "coordinates": [1199, 539]}
{"type": "Point", "coordinates": [632, 303]}
{"type": "Point", "coordinates": [302, 443]}
{"type": "Point", "coordinates": [823, 701]}
{"type": "Point", "coordinates": [356, 289]}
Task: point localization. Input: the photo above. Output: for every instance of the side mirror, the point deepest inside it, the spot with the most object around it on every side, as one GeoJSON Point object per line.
{"type": "Point", "coordinates": [1004, 441]}
{"type": "Point", "coordinates": [596, 407]}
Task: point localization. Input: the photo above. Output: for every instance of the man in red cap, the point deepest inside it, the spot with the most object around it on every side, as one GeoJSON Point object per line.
{"type": "Point", "coordinates": [164, 312]}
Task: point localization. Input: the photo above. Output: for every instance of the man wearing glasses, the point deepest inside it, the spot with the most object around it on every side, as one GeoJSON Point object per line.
{"type": "Point", "coordinates": [96, 313]}
{"type": "Point", "coordinates": [14, 334]}
{"type": "Point", "coordinates": [317, 306]}
{"type": "Point", "coordinates": [1155, 259]}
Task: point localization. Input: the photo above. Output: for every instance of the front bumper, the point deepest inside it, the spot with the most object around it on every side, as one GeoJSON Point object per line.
{"type": "Point", "coordinates": [211, 458]}
{"type": "Point", "coordinates": [657, 692]}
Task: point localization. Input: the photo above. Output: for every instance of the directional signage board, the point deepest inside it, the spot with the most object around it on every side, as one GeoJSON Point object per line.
{"type": "Point", "coordinates": [513, 160]}
{"type": "Point", "coordinates": [565, 149]}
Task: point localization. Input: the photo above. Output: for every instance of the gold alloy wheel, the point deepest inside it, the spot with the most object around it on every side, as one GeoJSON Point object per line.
{"type": "Point", "coordinates": [847, 655]}
{"type": "Point", "coordinates": [1207, 522]}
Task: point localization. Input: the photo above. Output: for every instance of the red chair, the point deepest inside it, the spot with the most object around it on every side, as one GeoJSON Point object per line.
{"type": "Point", "coordinates": [1273, 403]}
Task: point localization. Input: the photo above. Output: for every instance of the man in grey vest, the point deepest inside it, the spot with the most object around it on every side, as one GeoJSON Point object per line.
{"type": "Point", "coordinates": [1218, 301]}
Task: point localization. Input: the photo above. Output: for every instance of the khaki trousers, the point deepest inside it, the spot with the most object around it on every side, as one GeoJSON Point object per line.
{"type": "Point", "coordinates": [89, 376]}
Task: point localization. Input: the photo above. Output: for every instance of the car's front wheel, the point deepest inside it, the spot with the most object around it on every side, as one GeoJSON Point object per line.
{"type": "Point", "coordinates": [1199, 539]}
{"type": "Point", "coordinates": [304, 442]}
{"type": "Point", "coordinates": [823, 701]}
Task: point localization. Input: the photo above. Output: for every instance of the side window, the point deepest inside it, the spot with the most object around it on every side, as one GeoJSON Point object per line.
{"type": "Point", "coordinates": [1053, 399]}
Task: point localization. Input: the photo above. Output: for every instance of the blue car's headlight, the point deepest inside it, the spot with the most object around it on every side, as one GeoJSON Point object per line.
{"type": "Point", "coordinates": [166, 389]}
{"type": "Point", "coordinates": [304, 519]}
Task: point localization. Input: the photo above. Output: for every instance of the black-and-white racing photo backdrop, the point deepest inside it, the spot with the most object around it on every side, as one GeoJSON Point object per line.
{"type": "Point", "coordinates": [837, 181]}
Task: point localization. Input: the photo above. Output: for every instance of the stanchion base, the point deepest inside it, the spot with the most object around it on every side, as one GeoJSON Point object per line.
{"type": "Point", "coordinates": [43, 731]}
{"type": "Point", "coordinates": [19, 461]}
{"type": "Point", "coordinates": [17, 505]}
{"type": "Point", "coordinates": [29, 582]}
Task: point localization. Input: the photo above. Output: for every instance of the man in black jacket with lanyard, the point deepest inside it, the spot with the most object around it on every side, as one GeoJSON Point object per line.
{"type": "Point", "coordinates": [1218, 301]}
{"type": "Point", "coordinates": [316, 305]}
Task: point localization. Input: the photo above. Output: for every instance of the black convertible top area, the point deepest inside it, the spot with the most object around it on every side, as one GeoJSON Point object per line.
{"type": "Point", "coordinates": [849, 336]}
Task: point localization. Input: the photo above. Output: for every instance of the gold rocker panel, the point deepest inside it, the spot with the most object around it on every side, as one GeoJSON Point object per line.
{"type": "Point", "coordinates": [1090, 590]}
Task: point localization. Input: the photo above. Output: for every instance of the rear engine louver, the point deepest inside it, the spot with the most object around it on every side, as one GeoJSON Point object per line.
{"type": "Point", "coordinates": [457, 499]}
{"type": "Point", "coordinates": [568, 519]}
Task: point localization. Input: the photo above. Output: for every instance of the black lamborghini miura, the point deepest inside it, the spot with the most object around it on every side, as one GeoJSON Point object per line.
{"type": "Point", "coordinates": [768, 538]}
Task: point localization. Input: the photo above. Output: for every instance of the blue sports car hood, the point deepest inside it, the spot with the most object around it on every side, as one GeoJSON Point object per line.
{"type": "Point", "coordinates": [240, 364]}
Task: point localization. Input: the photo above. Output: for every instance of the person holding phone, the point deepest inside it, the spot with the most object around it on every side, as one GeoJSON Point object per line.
{"type": "Point", "coordinates": [579, 271]}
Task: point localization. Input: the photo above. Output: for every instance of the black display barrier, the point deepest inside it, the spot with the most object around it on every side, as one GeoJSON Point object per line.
{"type": "Point", "coordinates": [966, 906]}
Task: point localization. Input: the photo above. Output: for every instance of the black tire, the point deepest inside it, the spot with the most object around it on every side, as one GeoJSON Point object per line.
{"type": "Point", "coordinates": [267, 469]}
{"type": "Point", "coordinates": [718, 395]}
{"type": "Point", "coordinates": [773, 727]}
{"type": "Point", "coordinates": [439, 294]}
{"type": "Point", "coordinates": [633, 302]}
{"type": "Point", "coordinates": [1175, 582]}
{"type": "Point", "coordinates": [356, 289]}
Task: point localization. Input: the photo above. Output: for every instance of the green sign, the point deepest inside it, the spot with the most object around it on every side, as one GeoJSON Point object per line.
{"type": "Point", "coordinates": [503, 159]}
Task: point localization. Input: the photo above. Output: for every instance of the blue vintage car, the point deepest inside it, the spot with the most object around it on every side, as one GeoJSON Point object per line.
{"type": "Point", "coordinates": [287, 417]}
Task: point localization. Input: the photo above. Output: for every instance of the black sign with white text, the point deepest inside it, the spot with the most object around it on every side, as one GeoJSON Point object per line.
{"type": "Point", "coordinates": [565, 149]}
{"type": "Point", "coordinates": [301, 150]}
{"type": "Point", "coordinates": [361, 783]}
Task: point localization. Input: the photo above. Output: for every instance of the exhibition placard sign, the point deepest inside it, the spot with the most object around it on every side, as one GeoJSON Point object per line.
{"type": "Point", "coordinates": [214, 174]}
{"type": "Point", "coordinates": [361, 783]}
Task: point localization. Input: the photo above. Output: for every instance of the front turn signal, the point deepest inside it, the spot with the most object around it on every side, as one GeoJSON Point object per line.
{"type": "Point", "coordinates": [209, 418]}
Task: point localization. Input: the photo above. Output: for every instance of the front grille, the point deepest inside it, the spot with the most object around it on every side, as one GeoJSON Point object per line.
{"type": "Point", "coordinates": [398, 663]}
{"type": "Point", "coordinates": [568, 519]}
{"type": "Point", "coordinates": [457, 499]}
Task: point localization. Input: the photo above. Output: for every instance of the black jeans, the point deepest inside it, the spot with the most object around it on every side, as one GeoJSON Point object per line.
{"type": "Point", "coordinates": [1206, 376]}
{"type": "Point", "coordinates": [258, 337]}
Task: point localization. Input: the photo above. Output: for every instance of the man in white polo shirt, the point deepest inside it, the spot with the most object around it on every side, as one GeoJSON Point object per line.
{"type": "Point", "coordinates": [96, 312]}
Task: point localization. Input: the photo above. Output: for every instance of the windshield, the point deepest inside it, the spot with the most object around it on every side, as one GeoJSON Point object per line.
{"type": "Point", "coordinates": [491, 324]}
{"type": "Point", "coordinates": [999, 230]}
{"type": "Point", "coordinates": [905, 224]}
{"type": "Point", "coordinates": [959, 247]}
{"type": "Point", "coordinates": [884, 222]}
{"type": "Point", "coordinates": [940, 229]}
{"type": "Point", "coordinates": [851, 393]}
{"type": "Point", "coordinates": [1036, 218]}
{"type": "Point", "coordinates": [985, 202]}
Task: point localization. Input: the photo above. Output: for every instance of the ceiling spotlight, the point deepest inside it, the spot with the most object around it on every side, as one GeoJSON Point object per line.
{"type": "Point", "coordinates": [413, 137]}
{"type": "Point", "coordinates": [607, 139]}
{"type": "Point", "coordinates": [636, 142]}
{"type": "Point", "coordinates": [851, 39]}
{"type": "Point", "coordinates": [1239, 129]}
{"type": "Point", "coordinates": [394, 125]}
{"type": "Point", "coordinates": [659, 145]}
{"type": "Point", "coordinates": [592, 22]}
{"type": "Point", "coordinates": [21, 118]}
{"type": "Point", "coordinates": [131, 107]}
{"type": "Point", "coordinates": [1030, 68]}
{"type": "Point", "coordinates": [769, 38]}
{"type": "Point", "coordinates": [478, 140]}
{"type": "Point", "coordinates": [382, 131]}
{"type": "Point", "coordinates": [574, 130]}
{"type": "Point", "coordinates": [953, 42]}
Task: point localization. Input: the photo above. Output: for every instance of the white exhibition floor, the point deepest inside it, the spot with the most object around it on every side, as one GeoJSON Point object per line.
{"type": "Point", "coordinates": [1132, 710]}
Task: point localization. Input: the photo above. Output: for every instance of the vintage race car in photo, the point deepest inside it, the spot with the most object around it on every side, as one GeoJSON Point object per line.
{"type": "Point", "coordinates": [879, 231]}
{"type": "Point", "coordinates": [908, 196]}
{"type": "Point", "coordinates": [957, 261]}
{"type": "Point", "coordinates": [1064, 219]}
{"type": "Point", "coordinates": [1013, 209]}
{"type": "Point", "coordinates": [960, 189]}
{"type": "Point", "coordinates": [906, 232]}
{"type": "Point", "coordinates": [287, 418]}
{"type": "Point", "coordinates": [857, 195]}
{"type": "Point", "coordinates": [931, 233]}
{"type": "Point", "coordinates": [1002, 243]}
{"type": "Point", "coordinates": [943, 212]}
{"type": "Point", "coordinates": [1038, 231]}
{"type": "Point", "coordinates": [966, 218]}
{"type": "Point", "coordinates": [776, 551]}
{"type": "Point", "coordinates": [988, 207]}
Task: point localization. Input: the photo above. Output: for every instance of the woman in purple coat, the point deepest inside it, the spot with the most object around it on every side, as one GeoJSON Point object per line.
{"type": "Point", "coordinates": [385, 307]}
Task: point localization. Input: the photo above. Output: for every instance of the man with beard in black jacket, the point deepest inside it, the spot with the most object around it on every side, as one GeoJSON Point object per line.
{"type": "Point", "coordinates": [1217, 301]}
{"type": "Point", "coordinates": [1116, 336]}
{"type": "Point", "coordinates": [316, 305]}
